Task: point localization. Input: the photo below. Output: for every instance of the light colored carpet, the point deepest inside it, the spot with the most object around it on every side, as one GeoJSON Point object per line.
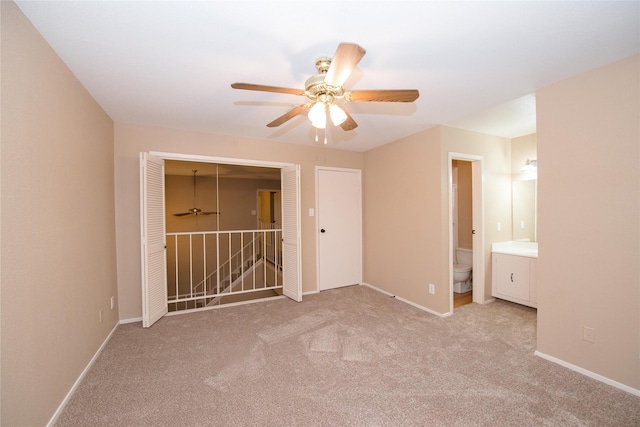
{"type": "Point", "coordinates": [348, 357]}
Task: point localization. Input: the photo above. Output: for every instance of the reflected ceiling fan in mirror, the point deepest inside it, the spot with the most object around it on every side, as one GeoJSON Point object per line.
{"type": "Point", "coordinates": [195, 210]}
{"type": "Point", "coordinates": [326, 92]}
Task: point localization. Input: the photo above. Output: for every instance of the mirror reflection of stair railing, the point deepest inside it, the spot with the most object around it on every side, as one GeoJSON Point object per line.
{"type": "Point", "coordinates": [255, 264]}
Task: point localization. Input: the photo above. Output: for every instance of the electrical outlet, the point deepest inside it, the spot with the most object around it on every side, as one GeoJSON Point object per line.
{"type": "Point", "coordinates": [100, 315]}
{"type": "Point", "coordinates": [432, 288]}
{"type": "Point", "coordinates": [589, 334]}
{"type": "Point", "coordinates": [113, 302]}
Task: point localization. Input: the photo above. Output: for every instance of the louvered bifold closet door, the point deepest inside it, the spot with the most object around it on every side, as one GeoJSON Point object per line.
{"type": "Point", "coordinates": [292, 274]}
{"type": "Point", "coordinates": [153, 240]}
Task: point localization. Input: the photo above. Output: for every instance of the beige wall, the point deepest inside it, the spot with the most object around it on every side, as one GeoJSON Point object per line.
{"type": "Point", "coordinates": [58, 232]}
{"type": "Point", "coordinates": [402, 252]}
{"type": "Point", "coordinates": [130, 140]}
{"type": "Point", "coordinates": [406, 211]}
{"type": "Point", "coordinates": [588, 189]}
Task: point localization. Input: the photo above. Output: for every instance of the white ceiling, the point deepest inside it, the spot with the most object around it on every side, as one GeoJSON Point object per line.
{"type": "Point", "coordinates": [476, 64]}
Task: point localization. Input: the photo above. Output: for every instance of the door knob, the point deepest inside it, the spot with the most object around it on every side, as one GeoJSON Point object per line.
{"type": "Point", "coordinates": [322, 230]}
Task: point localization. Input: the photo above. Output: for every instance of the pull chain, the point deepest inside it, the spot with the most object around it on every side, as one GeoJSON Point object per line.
{"type": "Point", "coordinates": [325, 136]}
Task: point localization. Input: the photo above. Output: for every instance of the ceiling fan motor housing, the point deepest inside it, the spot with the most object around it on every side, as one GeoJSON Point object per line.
{"type": "Point", "coordinates": [317, 89]}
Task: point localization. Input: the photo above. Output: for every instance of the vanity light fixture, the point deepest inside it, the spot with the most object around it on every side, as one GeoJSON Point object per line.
{"type": "Point", "coordinates": [530, 166]}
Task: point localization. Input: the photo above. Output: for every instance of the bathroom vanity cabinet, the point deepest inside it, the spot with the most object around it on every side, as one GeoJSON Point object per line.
{"type": "Point", "coordinates": [514, 274]}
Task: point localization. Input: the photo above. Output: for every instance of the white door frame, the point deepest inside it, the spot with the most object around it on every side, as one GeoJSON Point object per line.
{"type": "Point", "coordinates": [317, 176]}
{"type": "Point", "coordinates": [477, 167]}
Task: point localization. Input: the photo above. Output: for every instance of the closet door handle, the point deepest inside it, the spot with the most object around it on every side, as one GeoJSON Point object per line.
{"type": "Point", "coordinates": [322, 230]}
{"type": "Point", "coordinates": [511, 277]}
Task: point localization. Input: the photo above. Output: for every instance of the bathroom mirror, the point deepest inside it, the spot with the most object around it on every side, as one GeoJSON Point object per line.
{"type": "Point", "coordinates": [524, 210]}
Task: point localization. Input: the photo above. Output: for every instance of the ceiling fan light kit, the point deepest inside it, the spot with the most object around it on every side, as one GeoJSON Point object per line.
{"type": "Point", "coordinates": [338, 116]}
{"type": "Point", "coordinates": [318, 115]}
{"type": "Point", "coordinates": [326, 89]}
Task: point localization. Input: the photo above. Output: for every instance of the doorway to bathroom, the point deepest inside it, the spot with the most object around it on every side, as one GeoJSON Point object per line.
{"type": "Point", "coordinates": [269, 212]}
{"type": "Point", "coordinates": [462, 210]}
{"type": "Point", "coordinates": [466, 235]}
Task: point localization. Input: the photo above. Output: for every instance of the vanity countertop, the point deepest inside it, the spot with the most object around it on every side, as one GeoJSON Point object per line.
{"type": "Point", "coordinates": [528, 249]}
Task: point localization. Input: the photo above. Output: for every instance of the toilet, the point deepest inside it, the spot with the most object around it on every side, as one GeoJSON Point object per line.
{"type": "Point", "coordinates": [462, 270]}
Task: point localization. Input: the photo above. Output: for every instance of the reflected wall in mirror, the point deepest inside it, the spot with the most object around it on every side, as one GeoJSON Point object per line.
{"type": "Point", "coordinates": [524, 210]}
{"type": "Point", "coordinates": [524, 188]}
{"type": "Point", "coordinates": [230, 189]}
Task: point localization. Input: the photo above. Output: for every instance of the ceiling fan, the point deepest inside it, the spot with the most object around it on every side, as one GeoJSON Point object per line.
{"type": "Point", "coordinates": [195, 210]}
{"type": "Point", "coordinates": [326, 88]}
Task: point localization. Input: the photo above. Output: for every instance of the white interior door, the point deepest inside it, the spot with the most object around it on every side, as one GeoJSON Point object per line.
{"type": "Point", "coordinates": [291, 259]}
{"type": "Point", "coordinates": [339, 227]}
{"type": "Point", "coordinates": [478, 227]}
{"type": "Point", "coordinates": [152, 239]}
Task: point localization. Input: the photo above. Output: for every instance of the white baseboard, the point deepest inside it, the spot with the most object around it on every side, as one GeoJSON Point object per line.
{"type": "Point", "coordinates": [407, 301]}
{"type": "Point", "coordinates": [589, 374]}
{"type": "Point", "coordinates": [133, 320]}
{"type": "Point", "coordinates": [64, 402]}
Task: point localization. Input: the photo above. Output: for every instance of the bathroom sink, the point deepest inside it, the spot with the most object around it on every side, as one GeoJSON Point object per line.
{"type": "Point", "coordinates": [528, 249]}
